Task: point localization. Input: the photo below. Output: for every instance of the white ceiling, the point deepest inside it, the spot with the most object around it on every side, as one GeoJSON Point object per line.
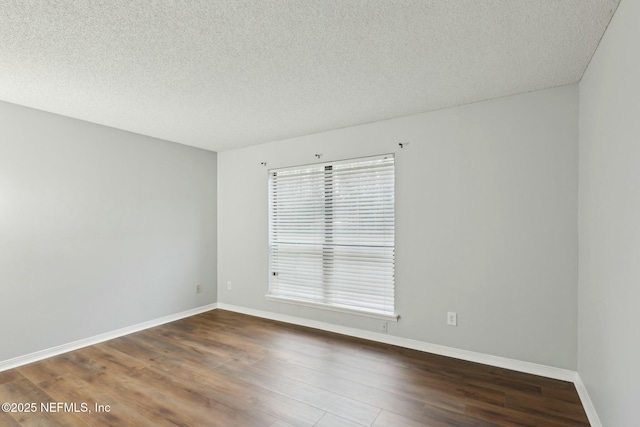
{"type": "Point", "coordinates": [227, 74]}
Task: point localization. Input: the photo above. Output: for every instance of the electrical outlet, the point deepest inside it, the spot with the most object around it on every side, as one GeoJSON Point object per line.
{"type": "Point", "coordinates": [198, 289]}
{"type": "Point", "coordinates": [385, 326]}
{"type": "Point", "coordinates": [452, 318]}
{"type": "Point", "coordinates": [229, 284]}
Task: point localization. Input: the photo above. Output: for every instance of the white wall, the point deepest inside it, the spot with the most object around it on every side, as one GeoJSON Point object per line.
{"type": "Point", "coordinates": [99, 229]}
{"type": "Point", "coordinates": [486, 223]}
{"type": "Point", "coordinates": [609, 284]}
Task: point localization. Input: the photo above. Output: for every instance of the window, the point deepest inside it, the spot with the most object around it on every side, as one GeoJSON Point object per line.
{"type": "Point", "coordinates": [331, 235]}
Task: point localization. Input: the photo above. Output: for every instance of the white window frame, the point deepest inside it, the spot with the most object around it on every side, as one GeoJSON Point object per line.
{"type": "Point", "coordinates": [340, 274]}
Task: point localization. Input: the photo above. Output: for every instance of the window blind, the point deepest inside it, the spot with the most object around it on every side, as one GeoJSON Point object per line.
{"type": "Point", "coordinates": [332, 234]}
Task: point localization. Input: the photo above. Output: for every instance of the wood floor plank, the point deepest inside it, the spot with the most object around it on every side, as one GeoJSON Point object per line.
{"type": "Point", "coordinates": [215, 343]}
{"type": "Point", "coordinates": [233, 392]}
{"type": "Point", "coordinates": [353, 390]}
{"type": "Point", "coordinates": [330, 420]}
{"type": "Point", "coordinates": [281, 423]}
{"type": "Point", "coordinates": [75, 390]}
{"type": "Point", "coordinates": [158, 408]}
{"type": "Point", "coordinates": [567, 395]}
{"type": "Point", "coordinates": [51, 379]}
{"type": "Point", "coordinates": [512, 418]}
{"type": "Point", "coordinates": [6, 420]}
{"type": "Point", "coordinates": [10, 375]}
{"type": "Point", "coordinates": [197, 401]}
{"type": "Point", "coordinates": [437, 416]}
{"type": "Point", "coordinates": [226, 369]}
{"type": "Point", "coordinates": [148, 354]}
{"type": "Point", "coordinates": [44, 370]}
{"type": "Point", "coordinates": [183, 351]}
{"type": "Point", "coordinates": [328, 401]}
{"type": "Point", "coordinates": [24, 391]}
{"type": "Point", "coordinates": [190, 397]}
{"type": "Point", "coordinates": [400, 385]}
{"type": "Point", "coordinates": [545, 407]}
{"type": "Point", "coordinates": [391, 419]}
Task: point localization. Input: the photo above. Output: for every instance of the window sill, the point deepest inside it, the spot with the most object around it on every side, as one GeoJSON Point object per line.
{"type": "Point", "coordinates": [388, 317]}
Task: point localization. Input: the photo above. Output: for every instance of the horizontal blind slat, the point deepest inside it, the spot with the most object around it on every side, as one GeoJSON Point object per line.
{"type": "Point", "coordinates": [331, 234]}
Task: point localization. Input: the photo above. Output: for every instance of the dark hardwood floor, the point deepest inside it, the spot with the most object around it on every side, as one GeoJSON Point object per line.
{"type": "Point", "coordinates": [226, 369]}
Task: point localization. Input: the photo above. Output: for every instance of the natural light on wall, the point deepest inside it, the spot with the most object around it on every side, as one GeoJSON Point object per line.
{"type": "Point", "coordinates": [5, 200]}
{"type": "Point", "coordinates": [332, 235]}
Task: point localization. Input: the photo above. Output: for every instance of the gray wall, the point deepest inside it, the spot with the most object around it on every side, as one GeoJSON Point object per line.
{"type": "Point", "coordinates": [609, 284]}
{"type": "Point", "coordinates": [486, 223]}
{"type": "Point", "coordinates": [99, 229]}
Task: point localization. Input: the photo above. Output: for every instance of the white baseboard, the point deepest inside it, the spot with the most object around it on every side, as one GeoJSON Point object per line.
{"type": "Point", "coordinates": [471, 356]}
{"type": "Point", "coordinates": [75, 345]}
{"type": "Point", "coordinates": [587, 404]}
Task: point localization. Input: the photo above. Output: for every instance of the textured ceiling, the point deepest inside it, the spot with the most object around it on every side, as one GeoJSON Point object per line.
{"type": "Point", "coordinates": [226, 74]}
